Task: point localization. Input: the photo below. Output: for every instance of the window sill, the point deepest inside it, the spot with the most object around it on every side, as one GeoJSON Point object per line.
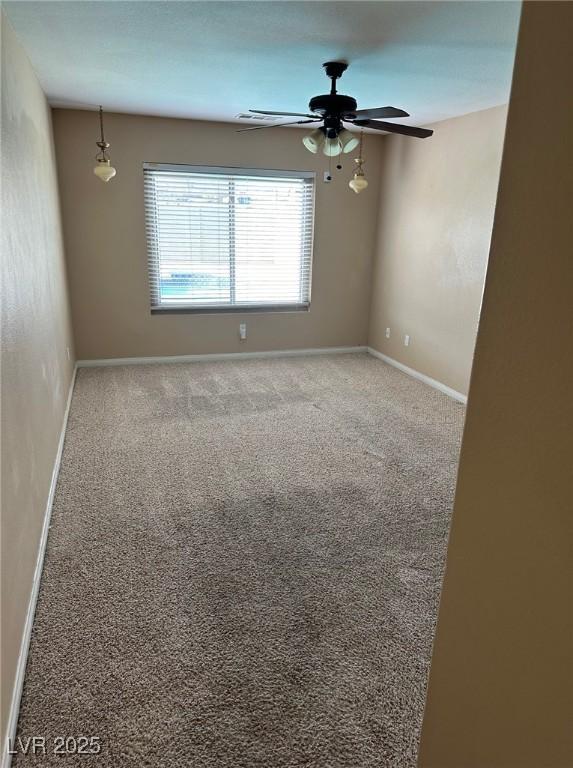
{"type": "Point", "coordinates": [250, 308]}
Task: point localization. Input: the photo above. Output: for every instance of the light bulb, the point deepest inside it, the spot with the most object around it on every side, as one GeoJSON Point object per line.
{"type": "Point", "coordinates": [313, 141]}
{"type": "Point", "coordinates": [104, 170]}
{"type": "Point", "coordinates": [332, 147]}
{"type": "Point", "coordinates": [358, 183]}
{"type": "Point", "coordinates": [348, 140]}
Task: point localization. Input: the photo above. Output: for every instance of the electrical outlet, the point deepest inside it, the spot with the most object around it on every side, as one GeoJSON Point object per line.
{"type": "Point", "coordinates": [406, 340]}
{"type": "Point", "coordinates": [242, 331]}
{"type": "Point", "coordinates": [387, 333]}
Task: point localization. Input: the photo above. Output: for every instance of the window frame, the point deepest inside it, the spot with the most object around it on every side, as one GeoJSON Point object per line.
{"type": "Point", "coordinates": [206, 309]}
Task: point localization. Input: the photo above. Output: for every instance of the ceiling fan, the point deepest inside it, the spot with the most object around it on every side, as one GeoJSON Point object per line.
{"type": "Point", "coordinates": [333, 110]}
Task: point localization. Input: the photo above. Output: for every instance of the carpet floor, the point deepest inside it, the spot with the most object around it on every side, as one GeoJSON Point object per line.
{"type": "Point", "coordinates": [244, 565]}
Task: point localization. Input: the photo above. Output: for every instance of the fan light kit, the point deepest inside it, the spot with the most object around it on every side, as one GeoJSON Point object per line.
{"type": "Point", "coordinates": [333, 110]}
{"type": "Point", "coordinates": [104, 170]}
{"type": "Point", "coordinates": [330, 145]}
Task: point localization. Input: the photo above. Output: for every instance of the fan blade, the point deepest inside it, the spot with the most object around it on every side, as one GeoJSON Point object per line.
{"type": "Point", "coordinates": [367, 114]}
{"type": "Point", "coordinates": [285, 114]}
{"type": "Point", "coordinates": [277, 125]}
{"type": "Point", "coordinates": [405, 130]}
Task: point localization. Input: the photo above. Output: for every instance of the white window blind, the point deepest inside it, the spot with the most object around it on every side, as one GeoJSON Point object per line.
{"type": "Point", "coordinates": [228, 239]}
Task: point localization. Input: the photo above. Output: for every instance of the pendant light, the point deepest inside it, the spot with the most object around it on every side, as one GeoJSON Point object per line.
{"type": "Point", "coordinates": [103, 168]}
{"type": "Point", "coordinates": [358, 182]}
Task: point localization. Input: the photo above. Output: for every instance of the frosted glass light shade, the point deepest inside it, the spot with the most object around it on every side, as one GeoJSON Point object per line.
{"type": "Point", "coordinates": [348, 140]}
{"type": "Point", "coordinates": [332, 147]}
{"type": "Point", "coordinates": [358, 183]}
{"type": "Point", "coordinates": [104, 170]}
{"type": "Point", "coordinates": [313, 141]}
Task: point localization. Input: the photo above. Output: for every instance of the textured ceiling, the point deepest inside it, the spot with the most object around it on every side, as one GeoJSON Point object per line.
{"type": "Point", "coordinates": [212, 60]}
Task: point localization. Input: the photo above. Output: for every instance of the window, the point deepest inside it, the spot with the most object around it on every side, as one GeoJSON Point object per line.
{"type": "Point", "coordinates": [227, 239]}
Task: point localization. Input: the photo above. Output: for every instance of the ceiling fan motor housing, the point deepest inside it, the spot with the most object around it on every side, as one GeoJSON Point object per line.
{"type": "Point", "coordinates": [332, 104]}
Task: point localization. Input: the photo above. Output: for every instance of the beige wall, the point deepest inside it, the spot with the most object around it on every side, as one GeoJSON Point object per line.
{"type": "Point", "coordinates": [436, 213]}
{"type": "Point", "coordinates": [106, 247]}
{"type": "Point", "coordinates": [501, 683]}
{"type": "Point", "coordinates": [36, 372]}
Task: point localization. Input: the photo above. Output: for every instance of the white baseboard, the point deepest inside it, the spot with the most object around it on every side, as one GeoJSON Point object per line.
{"type": "Point", "coordinates": [219, 356]}
{"type": "Point", "coordinates": [420, 376]}
{"type": "Point", "coordinates": [12, 725]}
